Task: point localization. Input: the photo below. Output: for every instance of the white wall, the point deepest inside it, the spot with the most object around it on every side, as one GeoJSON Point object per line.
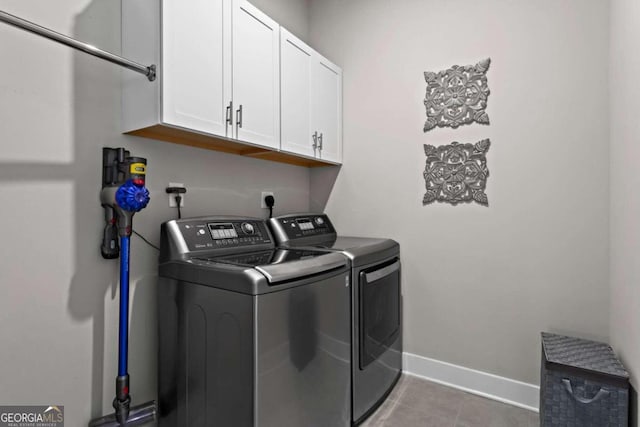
{"type": "Point", "coordinates": [58, 310]}
{"type": "Point", "coordinates": [625, 184]}
{"type": "Point", "coordinates": [291, 14]}
{"type": "Point", "coordinates": [480, 283]}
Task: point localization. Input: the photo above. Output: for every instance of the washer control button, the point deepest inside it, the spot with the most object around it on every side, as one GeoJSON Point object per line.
{"type": "Point", "coordinates": [319, 220]}
{"type": "Point", "coordinates": [248, 228]}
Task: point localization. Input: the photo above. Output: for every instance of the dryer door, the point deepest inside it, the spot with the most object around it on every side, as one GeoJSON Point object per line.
{"type": "Point", "coordinates": [379, 310]}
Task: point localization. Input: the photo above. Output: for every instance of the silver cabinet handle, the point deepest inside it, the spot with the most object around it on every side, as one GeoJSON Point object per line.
{"type": "Point", "coordinates": [320, 144]}
{"type": "Point", "coordinates": [229, 116]}
{"type": "Point", "coordinates": [315, 142]}
{"type": "Point", "coordinates": [239, 117]}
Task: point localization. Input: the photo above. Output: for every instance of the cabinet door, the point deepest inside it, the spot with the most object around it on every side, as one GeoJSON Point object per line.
{"type": "Point", "coordinates": [256, 75]}
{"type": "Point", "coordinates": [326, 109]}
{"type": "Point", "coordinates": [196, 71]}
{"type": "Point", "coordinates": [296, 63]}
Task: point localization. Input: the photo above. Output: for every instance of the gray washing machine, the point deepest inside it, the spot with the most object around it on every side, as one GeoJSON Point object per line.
{"type": "Point", "coordinates": [376, 303]}
{"type": "Point", "coordinates": [250, 335]}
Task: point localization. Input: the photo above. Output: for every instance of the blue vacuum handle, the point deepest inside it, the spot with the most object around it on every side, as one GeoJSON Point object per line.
{"type": "Point", "coordinates": [123, 336]}
{"type": "Point", "coordinates": [122, 401]}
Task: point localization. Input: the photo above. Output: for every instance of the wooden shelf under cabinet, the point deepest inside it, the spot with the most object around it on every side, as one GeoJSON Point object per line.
{"type": "Point", "coordinates": [184, 137]}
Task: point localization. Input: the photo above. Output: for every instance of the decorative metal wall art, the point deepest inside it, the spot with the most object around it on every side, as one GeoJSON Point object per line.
{"type": "Point", "coordinates": [457, 96]}
{"type": "Point", "coordinates": [456, 173]}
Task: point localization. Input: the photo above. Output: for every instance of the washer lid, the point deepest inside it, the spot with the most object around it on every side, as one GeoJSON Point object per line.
{"type": "Point", "coordinates": [281, 265]}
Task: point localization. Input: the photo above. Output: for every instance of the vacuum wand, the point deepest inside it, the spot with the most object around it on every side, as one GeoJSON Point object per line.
{"type": "Point", "coordinates": [122, 400]}
{"type": "Point", "coordinates": [123, 194]}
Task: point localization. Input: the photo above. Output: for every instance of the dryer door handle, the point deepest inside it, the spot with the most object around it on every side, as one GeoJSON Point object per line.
{"type": "Point", "coordinates": [383, 272]}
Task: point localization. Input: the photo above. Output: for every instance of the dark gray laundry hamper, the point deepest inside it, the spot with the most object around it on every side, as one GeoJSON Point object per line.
{"type": "Point", "coordinates": [582, 384]}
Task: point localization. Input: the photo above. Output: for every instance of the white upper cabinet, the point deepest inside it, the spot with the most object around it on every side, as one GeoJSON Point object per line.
{"type": "Point", "coordinates": [229, 79]}
{"type": "Point", "coordinates": [195, 63]}
{"type": "Point", "coordinates": [256, 75]}
{"type": "Point", "coordinates": [311, 101]}
{"type": "Point", "coordinates": [326, 109]}
{"type": "Point", "coordinates": [297, 61]}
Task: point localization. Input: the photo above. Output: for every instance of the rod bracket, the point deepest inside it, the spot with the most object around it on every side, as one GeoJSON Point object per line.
{"type": "Point", "coordinates": [151, 72]}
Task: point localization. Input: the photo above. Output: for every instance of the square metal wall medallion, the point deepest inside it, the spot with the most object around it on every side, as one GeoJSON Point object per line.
{"type": "Point", "coordinates": [457, 96]}
{"type": "Point", "coordinates": [456, 173]}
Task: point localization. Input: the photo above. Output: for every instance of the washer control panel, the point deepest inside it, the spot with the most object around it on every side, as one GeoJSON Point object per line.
{"type": "Point", "coordinates": [204, 234]}
{"type": "Point", "coordinates": [297, 227]}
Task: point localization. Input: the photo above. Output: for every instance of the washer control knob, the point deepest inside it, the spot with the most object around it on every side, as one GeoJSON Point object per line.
{"type": "Point", "coordinates": [201, 232]}
{"type": "Point", "coordinates": [319, 220]}
{"type": "Point", "coordinates": [247, 228]}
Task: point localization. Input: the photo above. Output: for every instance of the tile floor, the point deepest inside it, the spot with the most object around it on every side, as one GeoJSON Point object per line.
{"type": "Point", "coordinates": [415, 402]}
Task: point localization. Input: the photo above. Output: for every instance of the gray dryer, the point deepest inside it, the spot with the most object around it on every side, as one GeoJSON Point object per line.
{"type": "Point", "coordinates": [376, 303]}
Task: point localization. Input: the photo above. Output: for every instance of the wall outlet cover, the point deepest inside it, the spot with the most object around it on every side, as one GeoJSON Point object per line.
{"type": "Point", "coordinates": [172, 197]}
{"type": "Point", "coordinates": [265, 194]}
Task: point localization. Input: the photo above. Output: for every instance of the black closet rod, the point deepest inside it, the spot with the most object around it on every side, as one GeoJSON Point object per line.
{"type": "Point", "coordinates": [23, 24]}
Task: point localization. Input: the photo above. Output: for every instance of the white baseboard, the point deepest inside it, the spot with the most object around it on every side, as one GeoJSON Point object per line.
{"type": "Point", "coordinates": [491, 386]}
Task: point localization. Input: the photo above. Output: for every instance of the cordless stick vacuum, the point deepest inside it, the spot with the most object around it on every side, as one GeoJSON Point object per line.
{"type": "Point", "coordinates": [123, 194]}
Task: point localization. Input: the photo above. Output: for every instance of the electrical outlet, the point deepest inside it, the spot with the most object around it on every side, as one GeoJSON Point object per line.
{"type": "Point", "coordinates": [172, 197]}
{"type": "Point", "coordinates": [265, 194]}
